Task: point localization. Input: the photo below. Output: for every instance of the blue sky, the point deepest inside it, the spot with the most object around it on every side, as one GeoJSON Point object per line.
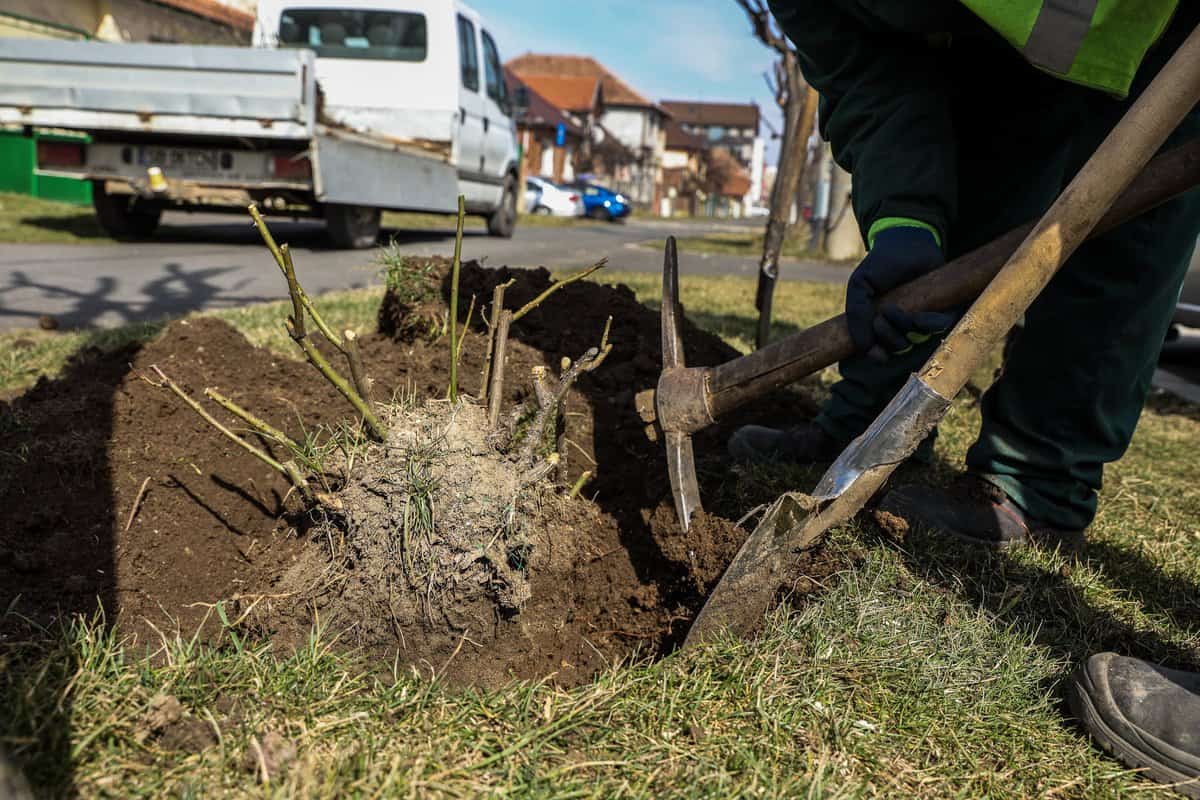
{"type": "Point", "coordinates": [665, 49]}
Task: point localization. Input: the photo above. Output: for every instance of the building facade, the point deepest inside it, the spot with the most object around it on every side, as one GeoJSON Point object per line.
{"type": "Point", "coordinates": [551, 139]}
{"type": "Point", "coordinates": [620, 116]}
{"type": "Point", "coordinates": [732, 127]}
{"type": "Point", "coordinates": [191, 21]}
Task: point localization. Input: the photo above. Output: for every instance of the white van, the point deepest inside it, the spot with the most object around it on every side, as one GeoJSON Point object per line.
{"type": "Point", "coordinates": [344, 108]}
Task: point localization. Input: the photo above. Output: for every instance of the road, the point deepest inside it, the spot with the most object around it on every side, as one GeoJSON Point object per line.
{"type": "Point", "coordinates": [204, 261]}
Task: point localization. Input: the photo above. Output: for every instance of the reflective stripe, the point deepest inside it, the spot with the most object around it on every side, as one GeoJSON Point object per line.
{"type": "Point", "coordinates": [1058, 33]}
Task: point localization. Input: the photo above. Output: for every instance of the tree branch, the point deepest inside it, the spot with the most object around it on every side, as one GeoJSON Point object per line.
{"type": "Point", "coordinates": [554, 287]}
{"type": "Point", "coordinates": [764, 27]}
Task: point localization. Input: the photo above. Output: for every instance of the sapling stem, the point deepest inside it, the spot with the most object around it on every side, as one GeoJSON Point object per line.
{"type": "Point", "coordinates": [580, 482]}
{"type": "Point", "coordinates": [537, 429]}
{"type": "Point", "coordinates": [554, 287]}
{"type": "Point", "coordinates": [466, 328]}
{"type": "Point", "coordinates": [497, 306]}
{"type": "Point", "coordinates": [605, 347]}
{"type": "Point", "coordinates": [378, 432]}
{"type": "Point", "coordinates": [362, 383]}
{"type": "Point", "coordinates": [499, 357]}
{"type": "Point", "coordinates": [283, 258]}
{"type": "Point", "coordinates": [257, 423]}
{"type": "Point", "coordinates": [288, 471]}
{"type": "Point", "coordinates": [455, 270]}
{"type": "Point", "coordinates": [294, 290]}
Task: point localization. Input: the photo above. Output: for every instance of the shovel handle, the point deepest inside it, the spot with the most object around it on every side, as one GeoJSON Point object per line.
{"type": "Point", "coordinates": [1172, 94]}
{"type": "Point", "coordinates": [959, 282]}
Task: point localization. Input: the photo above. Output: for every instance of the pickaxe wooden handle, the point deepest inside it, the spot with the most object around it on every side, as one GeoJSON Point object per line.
{"type": "Point", "coordinates": [795, 521]}
{"type": "Point", "coordinates": [688, 399]}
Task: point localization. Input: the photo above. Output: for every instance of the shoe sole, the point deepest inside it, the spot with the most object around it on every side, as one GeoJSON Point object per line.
{"type": "Point", "coordinates": [1112, 743]}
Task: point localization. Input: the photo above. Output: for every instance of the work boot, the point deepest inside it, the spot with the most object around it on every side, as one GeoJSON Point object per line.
{"type": "Point", "coordinates": [976, 511]}
{"type": "Point", "coordinates": [803, 444]}
{"type": "Point", "coordinates": [1146, 715]}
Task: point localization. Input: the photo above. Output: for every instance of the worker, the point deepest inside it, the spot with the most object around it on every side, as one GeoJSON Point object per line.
{"type": "Point", "coordinates": [958, 122]}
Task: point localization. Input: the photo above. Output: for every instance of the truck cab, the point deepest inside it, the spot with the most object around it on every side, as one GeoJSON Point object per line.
{"type": "Point", "coordinates": [423, 71]}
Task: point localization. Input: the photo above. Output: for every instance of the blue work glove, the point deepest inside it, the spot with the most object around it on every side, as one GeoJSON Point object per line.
{"type": "Point", "coordinates": [898, 255]}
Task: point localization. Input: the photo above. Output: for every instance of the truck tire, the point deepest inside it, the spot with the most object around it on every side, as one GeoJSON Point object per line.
{"type": "Point", "coordinates": [503, 221]}
{"type": "Point", "coordinates": [352, 227]}
{"type": "Point", "coordinates": [125, 216]}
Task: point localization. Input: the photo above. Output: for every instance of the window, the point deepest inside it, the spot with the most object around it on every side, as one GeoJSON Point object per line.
{"type": "Point", "coordinates": [715, 133]}
{"type": "Point", "coordinates": [494, 72]}
{"type": "Point", "coordinates": [345, 33]}
{"type": "Point", "coordinates": [468, 54]}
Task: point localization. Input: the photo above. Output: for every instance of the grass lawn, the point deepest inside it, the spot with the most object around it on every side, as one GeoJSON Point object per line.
{"type": "Point", "coordinates": [30, 219]}
{"type": "Point", "coordinates": [748, 244]}
{"type": "Point", "coordinates": [926, 671]}
{"type": "Point", "coordinates": [25, 219]}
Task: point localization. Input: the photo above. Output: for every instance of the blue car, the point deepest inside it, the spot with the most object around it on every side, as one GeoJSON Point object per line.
{"type": "Point", "coordinates": [601, 203]}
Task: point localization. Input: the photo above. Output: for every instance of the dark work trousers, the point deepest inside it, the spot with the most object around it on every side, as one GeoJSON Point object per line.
{"type": "Point", "coordinates": [1077, 376]}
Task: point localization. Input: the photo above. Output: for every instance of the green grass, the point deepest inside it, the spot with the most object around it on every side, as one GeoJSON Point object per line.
{"type": "Point", "coordinates": [412, 221]}
{"type": "Point", "coordinates": [927, 670]}
{"type": "Point", "coordinates": [25, 219]}
{"type": "Point", "coordinates": [30, 220]}
{"type": "Point", "coordinates": [748, 244]}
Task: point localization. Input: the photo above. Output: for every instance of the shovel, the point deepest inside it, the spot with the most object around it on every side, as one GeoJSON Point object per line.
{"type": "Point", "coordinates": [795, 521]}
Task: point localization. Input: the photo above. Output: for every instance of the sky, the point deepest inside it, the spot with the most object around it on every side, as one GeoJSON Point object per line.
{"type": "Point", "coordinates": [665, 49]}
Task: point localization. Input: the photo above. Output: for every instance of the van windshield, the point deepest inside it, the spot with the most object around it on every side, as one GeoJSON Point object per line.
{"type": "Point", "coordinates": [345, 33]}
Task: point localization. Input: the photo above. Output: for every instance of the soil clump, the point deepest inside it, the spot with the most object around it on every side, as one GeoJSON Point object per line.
{"type": "Point", "coordinates": [578, 583]}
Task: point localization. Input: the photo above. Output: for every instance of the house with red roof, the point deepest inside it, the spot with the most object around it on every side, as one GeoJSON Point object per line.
{"type": "Point", "coordinates": [187, 21]}
{"type": "Point", "coordinates": [627, 132]}
{"type": "Point", "coordinates": [550, 137]}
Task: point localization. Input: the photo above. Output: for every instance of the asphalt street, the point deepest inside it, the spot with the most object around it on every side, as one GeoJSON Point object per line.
{"type": "Point", "coordinates": [205, 261]}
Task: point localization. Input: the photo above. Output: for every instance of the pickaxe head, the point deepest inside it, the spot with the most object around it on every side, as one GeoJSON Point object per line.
{"type": "Point", "coordinates": [681, 462]}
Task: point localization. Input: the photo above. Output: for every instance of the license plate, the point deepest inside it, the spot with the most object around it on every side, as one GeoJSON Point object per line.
{"type": "Point", "coordinates": [185, 161]}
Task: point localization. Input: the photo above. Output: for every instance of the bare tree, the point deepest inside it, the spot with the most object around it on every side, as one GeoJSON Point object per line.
{"type": "Point", "coordinates": [798, 102]}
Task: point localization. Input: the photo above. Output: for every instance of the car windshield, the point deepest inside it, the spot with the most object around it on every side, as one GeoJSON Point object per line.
{"type": "Point", "coordinates": [346, 33]}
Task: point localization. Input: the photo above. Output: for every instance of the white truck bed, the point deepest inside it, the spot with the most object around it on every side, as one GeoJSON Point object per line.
{"type": "Point", "coordinates": [166, 89]}
{"type": "Point", "coordinates": [226, 97]}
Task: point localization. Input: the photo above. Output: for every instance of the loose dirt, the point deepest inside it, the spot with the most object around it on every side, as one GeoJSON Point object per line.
{"type": "Point", "coordinates": [604, 575]}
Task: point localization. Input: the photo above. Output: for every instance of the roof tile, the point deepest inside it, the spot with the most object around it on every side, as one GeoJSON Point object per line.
{"type": "Point", "coordinates": [215, 11]}
{"type": "Point", "coordinates": [737, 115]}
{"type": "Point", "coordinates": [616, 91]}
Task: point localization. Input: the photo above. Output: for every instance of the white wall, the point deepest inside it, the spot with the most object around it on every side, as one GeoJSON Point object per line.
{"type": "Point", "coordinates": [756, 170]}
{"type": "Point", "coordinates": [674, 159]}
{"type": "Point", "coordinates": [627, 125]}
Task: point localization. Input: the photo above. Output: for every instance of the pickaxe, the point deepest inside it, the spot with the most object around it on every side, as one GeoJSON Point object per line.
{"type": "Point", "coordinates": [795, 520]}
{"type": "Point", "coordinates": [689, 399]}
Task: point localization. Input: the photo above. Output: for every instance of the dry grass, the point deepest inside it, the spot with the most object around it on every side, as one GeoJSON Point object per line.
{"type": "Point", "coordinates": [926, 671]}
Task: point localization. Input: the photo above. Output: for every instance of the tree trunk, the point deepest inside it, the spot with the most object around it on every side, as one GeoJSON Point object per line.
{"type": "Point", "coordinates": [797, 128]}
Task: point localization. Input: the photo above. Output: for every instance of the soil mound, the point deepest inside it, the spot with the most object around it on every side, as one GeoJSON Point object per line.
{"type": "Point", "coordinates": [580, 583]}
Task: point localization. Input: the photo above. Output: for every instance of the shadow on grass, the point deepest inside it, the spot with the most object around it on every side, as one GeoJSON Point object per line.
{"type": "Point", "coordinates": [1069, 613]}
{"type": "Point", "coordinates": [58, 560]}
{"type": "Point", "coordinates": [308, 233]}
{"type": "Point", "coordinates": [177, 290]}
{"type": "Point", "coordinates": [82, 225]}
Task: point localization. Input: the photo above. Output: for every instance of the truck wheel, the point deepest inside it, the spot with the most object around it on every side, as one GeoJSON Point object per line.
{"type": "Point", "coordinates": [125, 216]}
{"type": "Point", "coordinates": [352, 227]}
{"type": "Point", "coordinates": [503, 221]}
